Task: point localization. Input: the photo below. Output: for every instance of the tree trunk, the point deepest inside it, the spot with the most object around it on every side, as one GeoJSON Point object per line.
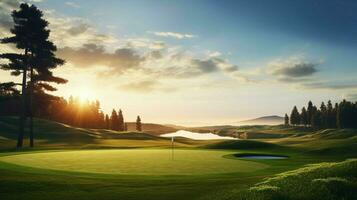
{"type": "Point", "coordinates": [20, 138]}
{"type": "Point", "coordinates": [31, 107]}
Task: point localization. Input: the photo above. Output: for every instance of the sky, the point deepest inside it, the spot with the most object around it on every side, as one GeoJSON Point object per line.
{"type": "Point", "coordinates": [201, 62]}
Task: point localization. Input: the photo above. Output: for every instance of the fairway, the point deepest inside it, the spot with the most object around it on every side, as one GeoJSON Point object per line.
{"type": "Point", "coordinates": [137, 162]}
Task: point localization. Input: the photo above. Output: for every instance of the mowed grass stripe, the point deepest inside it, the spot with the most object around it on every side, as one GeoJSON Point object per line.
{"type": "Point", "coordinates": [137, 162]}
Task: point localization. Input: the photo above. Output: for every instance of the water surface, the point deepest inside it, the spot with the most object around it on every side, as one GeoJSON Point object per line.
{"type": "Point", "coordinates": [197, 136]}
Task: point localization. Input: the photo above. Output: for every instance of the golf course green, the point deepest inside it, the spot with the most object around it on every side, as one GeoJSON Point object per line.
{"type": "Point", "coordinates": [91, 164]}
{"type": "Point", "coordinates": [137, 161]}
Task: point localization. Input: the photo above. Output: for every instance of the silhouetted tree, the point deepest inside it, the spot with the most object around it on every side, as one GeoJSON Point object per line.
{"type": "Point", "coordinates": [330, 116]}
{"type": "Point", "coordinates": [310, 112]}
{"type": "Point", "coordinates": [138, 124]}
{"type": "Point", "coordinates": [9, 99]}
{"type": "Point", "coordinates": [42, 61]}
{"type": "Point", "coordinates": [19, 62]}
{"type": "Point", "coordinates": [8, 89]}
{"type": "Point", "coordinates": [323, 113]}
{"type": "Point", "coordinates": [304, 117]}
{"type": "Point", "coordinates": [286, 120]}
{"type": "Point", "coordinates": [114, 121]}
{"type": "Point", "coordinates": [347, 115]}
{"type": "Point", "coordinates": [295, 116]}
{"type": "Point", "coordinates": [107, 122]}
{"type": "Point", "coordinates": [316, 119]}
{"type": "Point", "coordinates": [120, 121]}
{"type": "Point", "coordinates": [334, 116]}
{"type": "Point", "coordinates": [30, 34]}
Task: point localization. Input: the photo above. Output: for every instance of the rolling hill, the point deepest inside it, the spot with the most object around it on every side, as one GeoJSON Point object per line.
{"type": "Point", "coordinates": [265, 120]}
{"type": "Point", "coordinates": [50, 134]}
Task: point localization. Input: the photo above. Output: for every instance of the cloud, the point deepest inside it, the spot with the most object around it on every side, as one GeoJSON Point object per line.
{"type": "Point", "coordinates": [84, 47]}
{"type": "Point", "coordinates": [293, 80]}
{"type": "Point", "coordinates": [6, 6]}
{"type": "Point", "coordinates": [72, 4]}
{"type": "Point", "coordinates": [75, 32]}
{"type": "Point", "coordinates": [329, 86]}
{"type": "Point", "coordinates": [145, 43]}
{"type": "Point", "coordinates": [182, 66]}
{"type": "Point", "coordinates": [351, 97]}
{"type": "Point", "coordinates": [79, 29]}
{"type": "Point", "coordinates": [90, 55]}
{"type": "Point", "coordinates": [145, 86]}
{"type": "Point", "coordinates": [296, 70]}
{"type": "Point", "coordinates": [156, 54]}
{"type": "Point", "coordinates": [214, 54]}
{"type": "Point", "coordinates": [174, 35]}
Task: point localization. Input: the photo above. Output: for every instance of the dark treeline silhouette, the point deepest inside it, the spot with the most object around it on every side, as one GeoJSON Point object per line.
{"type": "Point", "coordinates": [340, 115]}
{"type": "Point", "coordinates": [84, 114]}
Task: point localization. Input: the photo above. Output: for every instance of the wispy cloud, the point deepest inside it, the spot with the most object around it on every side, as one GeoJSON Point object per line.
{"type": "Point", "coordinates": [146, 86]}
{"type": "Point", "coordinates": [350, 96]}
{"type": "Point", "coordinates": [174, 35]}
{"type": "Point", "coordinates": [330, 85]}
{"type": "Point", "coordinates": [72, 4]}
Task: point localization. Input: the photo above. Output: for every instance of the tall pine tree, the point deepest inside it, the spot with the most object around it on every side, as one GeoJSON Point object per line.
{"type": "Point", "coordinates": [114, 125]}
{"type": "Point", "coordinates": [138, 124]}
{"type": "Point", "coordinates": [19, 62]}
{"type": "Point", "coordinates": [295, 116]}
{"type": "Point", "coordinates": [120, 121]}
{"type": "Point", "coordinates": [286, 120]}
{"type": "Point", "coordinates": [304, 117]}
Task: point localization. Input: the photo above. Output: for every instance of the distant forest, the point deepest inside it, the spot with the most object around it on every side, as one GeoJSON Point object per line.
{"type": "Point", "coordinates": [74, 112]}
{"type": "Point", "coordinates": [340, 115]}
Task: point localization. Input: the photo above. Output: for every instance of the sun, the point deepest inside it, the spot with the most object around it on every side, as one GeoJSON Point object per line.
{"type": "Point", "coordinates": [84, 94]}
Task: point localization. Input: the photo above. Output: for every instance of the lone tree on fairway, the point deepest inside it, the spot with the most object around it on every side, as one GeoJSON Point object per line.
{"type": "Point", "coordinates": [30, 34]}
{"type": "Point", "coordinates": [138, 123]}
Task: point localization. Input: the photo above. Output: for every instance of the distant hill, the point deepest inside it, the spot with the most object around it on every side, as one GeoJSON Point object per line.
{"type": "Point", "coordinates": [265, 120]}
{"type": "Point", "coordinates": [153, 129]}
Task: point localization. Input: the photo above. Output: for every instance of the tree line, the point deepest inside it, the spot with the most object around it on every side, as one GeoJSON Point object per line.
{"type": "Point", "coordinates": [84, 114]}
{"type": "Point", "coordinates": [340, 115]}
{"type": "Point", "coordinates": [34, 62]}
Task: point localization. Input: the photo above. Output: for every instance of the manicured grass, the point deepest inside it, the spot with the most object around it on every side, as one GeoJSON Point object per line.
{"type": "Point", "coordinates": [74, 163]}
{"type": "Point", "coordinates": [137, 162]}
{"type": "Point", "coordinates": [323, 181]}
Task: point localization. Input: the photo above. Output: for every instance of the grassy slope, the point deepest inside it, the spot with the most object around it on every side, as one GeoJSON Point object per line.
{"type": "Point", "coordinates": [51, 134]}
{"type": "Point", "coordinates": [319, 181]}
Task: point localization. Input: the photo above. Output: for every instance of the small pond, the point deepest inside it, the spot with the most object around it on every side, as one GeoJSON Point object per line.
{"type": "Point", "coordinates": [260, 156]}
{"type": "Point", "coordinates": [197, 136]}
